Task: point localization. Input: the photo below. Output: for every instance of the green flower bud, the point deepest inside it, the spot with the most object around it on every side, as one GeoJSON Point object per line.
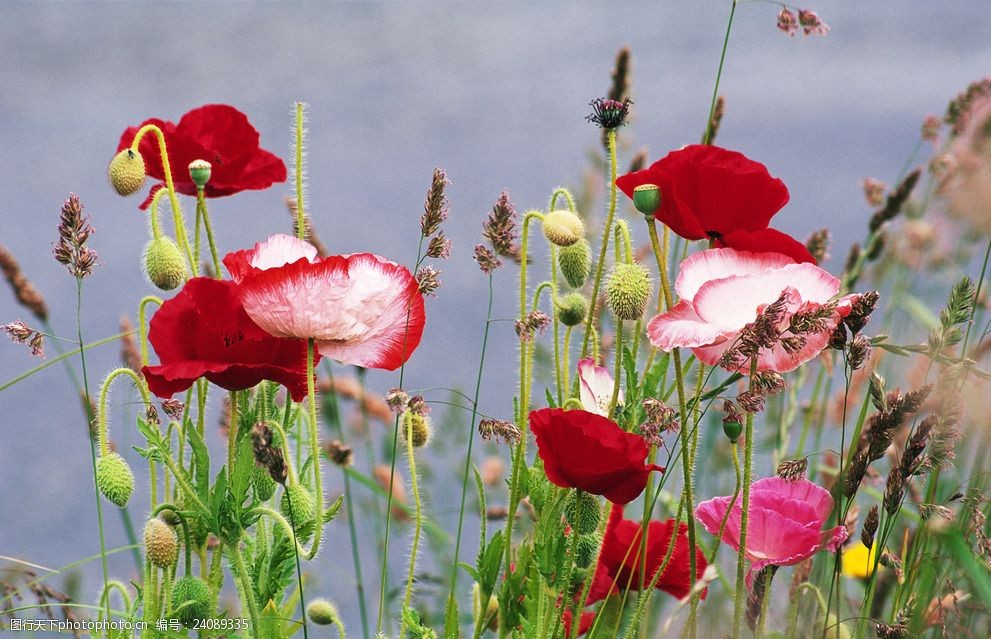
{"type": "Point", "coordinates": [164, 264]}
{"type": "Point", "coordinates": [114, 479]}
{"type": "Point", "coordinates": [161, 543]}
{"type": "Point", "coordinates": [647, 198]}
{"type": "Point", "coordinates": [263, 483]}
{"type": "Point", "coordinates": [732, 430]}
{"type": "Point", "coordinates": [419, 425]}
{"type": "Point", "coordinates": [582, 512]}
{"type": "Point", "coordinates": [190, 601]}
{"type": "Point", "coordinates": [586, 546]}
{"type": "Point", "coordinates": [573, 309]}
{"type": "Point", "coordinates": [563, 228]}
{"type": "Point", "coordinates": [199, 172]}
{"type": "Point", "coordinates": [322, 612]}
{"type": "Point", "coordinates": [127, 172]}
{"type": "Point", "coordinates": [491, 612]}
{"type": "Point", "coordinates": [575, 262]}
{"type": "Point", "coordinates": [303, 510]}
{"type": "Point", "coordinates": [628, 291]}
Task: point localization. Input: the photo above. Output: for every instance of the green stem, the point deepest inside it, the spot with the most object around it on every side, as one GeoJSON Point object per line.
{"type": "Point", "coordinates": [471, 442]}
{"type": "Point", "coordinates": [300, 208]}
{"type": "Point", "coordinates": [719, 75]}
{"type": "Point", "coordinates": [299, 571]}
{"type": "Point", "coordinates": [202, 211]}
{"type": "Point", "coordinates": [102, 408]}
{"type": "Point", "coordinates": [418, 524]}
{"type": "Point", "coordinates": [314, 445]}
{"type": "Point", "coordinates": [619, 369]}
{"type": "Point", "coordinates": [606, 233]}
{"type": "Point", "coordinates": [739, 603]}
{"type": "Point", "coordinates": [248, 594]}
{"type": "Point", "coordinates": [143, 323]}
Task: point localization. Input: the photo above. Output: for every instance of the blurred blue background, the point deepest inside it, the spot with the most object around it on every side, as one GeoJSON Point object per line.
{"type": "Point", "coordinates": [495, 93]}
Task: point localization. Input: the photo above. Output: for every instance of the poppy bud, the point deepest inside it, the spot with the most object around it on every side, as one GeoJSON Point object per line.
{"type": "Point", "coordinates": [575, 262]}
{"type": "Point", "coordinates": [170, 517]}
{"type": "Point", "coordinates": [322, 612]}
{"type": "Point", "coordinates": [114, 479]}
{"type": "Point", "coordinates": [303, 511]}
{"type": "Point", "coordinates": [164, 264]}
{"type": "Point", "coordinates": [190, 600]}
{"type": "Point", "coordinates": [263, 482]}
{"type": "Point", "coordinates": [161, 543]}
{"type": "Point", "coordinates": [647, 198]}
{"type": "Point", "coordinates": [732, 430]}
{"type": "Point", "coordinates": [491, 608]}
{"type": "Point", "coordinates": [582, 512]}
{"type": "Point", "coordinates": [199, 172]}
{"type": "Point", "coordinates": [573, 309]}
{"type": "Point", "coordinates": [127, 172]}
{"type": "Point", "coordinates": [416, 425]}
{"type": "Point", "coordinates": [628, 291]}
{"type": "Point", "coordinates": [585, 548]}
{"type": "Point", "coordinates": [563, 228]}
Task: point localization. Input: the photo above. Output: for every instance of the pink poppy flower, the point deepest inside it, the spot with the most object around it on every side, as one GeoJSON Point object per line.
{"type": "Point", "coordinates": [723, 290]}
{"type": "Point", "coordinates": [595, 387]}
{"type": "Point", "coordinates": [785, 524]}
{"type": "Point", "coordinates": [360, 309]}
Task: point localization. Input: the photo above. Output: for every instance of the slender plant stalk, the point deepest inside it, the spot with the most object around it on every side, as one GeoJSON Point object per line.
{"type": "Point", "coordinates": [201, 211]}
{"type": "Point", "coordinates": [719, 74]}
{"type": "Point", "coordinates": [739, 603]}
{"type": "Point", "coordinates": [417, 527]}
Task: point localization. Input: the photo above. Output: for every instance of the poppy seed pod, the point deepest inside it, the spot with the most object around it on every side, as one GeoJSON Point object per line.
{"type": "Point", "coordinates": [628, 291]}
{"type": "Point", "coordinates": [563, 228]}
{"type": "Point", "coordinates": [114, 479]}
{"type": "Point", "coordinates": [161, 543]}
{"type": "Point", "coordinates": [322, 612]}
{"type": "Point", "coordinates": [647, 198]}
{"type": "Point", "coordinates": [127, 172]}
{"type": "Point", "coordinates": [573, 309]}
{"type": "Point", "coordinates": [263, 482]}
{"type": "Point", "coordinates": [164, 263]}
{"type": "Point", "coordinates": [190, 600]}
{"type": "Point", "coordinates": [575, 262]}
{"type": "Point", "coordinates": [582, 512]}
{"type": "Point", "coordinates": [199, 172]}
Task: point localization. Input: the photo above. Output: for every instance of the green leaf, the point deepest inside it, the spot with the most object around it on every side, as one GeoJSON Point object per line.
{"type": "Point", "coordinates": [269, 622]}
{"type": "Point", "coordinates": [451, 619]}
{"type": "Point", "coordinates": [201, 460]}
{"type": "Point", "coordinates": [469, 569]}
{"type": "Point", "coordinates": [241, 476]}
{"type": "Point", "coordinates": [491, 562]}
{"type": "Point", "coordinates": [331, 512]}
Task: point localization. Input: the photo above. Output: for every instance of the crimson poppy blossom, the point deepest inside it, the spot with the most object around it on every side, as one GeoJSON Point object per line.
{"type": "Point", "coordinates": [708, 192]}
{"type": "Point", "coordinates": [589, 452]}
{"type": "Point", "coordinates": [722, 290]}
{"type": "Point", "coordinates": [784, 526]}
{"type": "Point", "coordinates": [219, 134]}
{"type": "Point", "coordinates": [359, 309]}
{"type": "Point", "coordinates": [204, 331]}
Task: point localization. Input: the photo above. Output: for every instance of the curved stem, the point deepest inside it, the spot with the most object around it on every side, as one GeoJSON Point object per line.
{"type": "Point", "coordinates": [102, 408]}
{"type": "Point", "coordinates": [156, 229]}
{"type": "Point", "coordinates": [248, 593]}
{"type": "Point", "coordinates": [180, 224]}
{"type": "Point", "coordinates": [566, 194]}
{"type": "Point", "coordinates": [142, 323]}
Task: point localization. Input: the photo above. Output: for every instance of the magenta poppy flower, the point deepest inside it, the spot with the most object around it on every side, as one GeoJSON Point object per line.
{"type": "Point", "coordinates": [219, 134]}
{"type": "Point", "coordinates": [360, 309]}
{"type": "Point", "coordinates": [785, 522]}
{"type": "Point", "coordinates": [204, 331]}
{"type": "Point", "coordinates": [595, 385]}
{"type": "Point", "coordinates": [723, 290]}
{"type": "Point", "coordinates": [587, 451]}
{"type": "Point", "coordinates": [708, 192]}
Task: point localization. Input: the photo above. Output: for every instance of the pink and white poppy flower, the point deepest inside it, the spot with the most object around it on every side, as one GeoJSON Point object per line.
{"type": "Point", "coordinates": [784, 526]}
{"type": "Point", "coordinates": [360, 309]}
{"type": "Point", "coordinates": [595, 386]}
{"type": "Point", "coordinates": [722, 290]}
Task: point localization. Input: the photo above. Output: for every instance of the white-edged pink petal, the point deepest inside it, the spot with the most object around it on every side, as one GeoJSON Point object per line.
{"type": "Point", "coordinates": [595, 387]}
{"type": "Point", "coordinates": [714, 264]}
{"type": "Point", "coordinates": [681, 327]}
{"type": "Point", "coordinates": [279, 250]}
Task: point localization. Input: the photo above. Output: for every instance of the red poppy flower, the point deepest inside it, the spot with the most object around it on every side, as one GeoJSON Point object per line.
{"type": "Point", "coordinates": [360, 309]}
{"type": "Point", "coordinates": [219, 134]}
{"type": "Point", "coordinates": [589, 452]}
{"type": "Point", "coordinates": [708, 192]}
{"type": "Point", "coordinates": [619, 562]}
{"type": "Point", "coordinates": [205, 332]}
